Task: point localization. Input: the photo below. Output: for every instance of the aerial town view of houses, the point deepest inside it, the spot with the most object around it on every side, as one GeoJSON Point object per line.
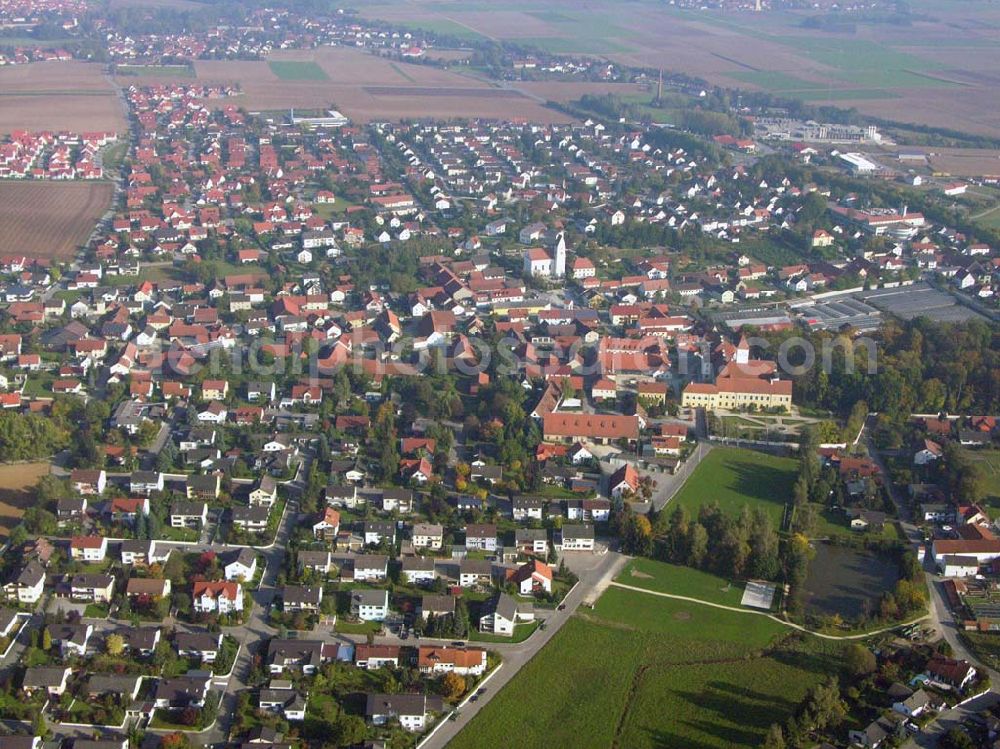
{"type": "Point", "coordinates": [476, 375]}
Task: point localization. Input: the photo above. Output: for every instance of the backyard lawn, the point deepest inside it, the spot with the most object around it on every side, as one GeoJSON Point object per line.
{"type": "Point", "coordinates": [734, 478]}
{"type": "Point", "coordinates": [655, 672]}
{"type": "Point", "coordinates": [521, 633]}
{"type": "Point", "coordinates": [831, 523]}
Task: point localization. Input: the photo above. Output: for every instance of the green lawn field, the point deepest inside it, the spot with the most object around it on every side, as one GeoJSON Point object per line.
{"type": "Point", "coordinates": [297, 70]}
{"type": "Point", "coordinates": [989, 463]}
{"type": "Point", "coordinates": [653, 672]}
{"type": "Point", "coordinates": [682, 581]}
{"type": "Point", "coordinates": [734, 477]}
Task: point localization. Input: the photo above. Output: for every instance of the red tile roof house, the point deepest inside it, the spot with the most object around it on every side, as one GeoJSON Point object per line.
{"type": "Point", "coordinates": [957, 674]}
{"type": "Point", "coordinates": [625, 479]}
{"type": "Point", "coordinates": [438, 660]}
{"type": "Point", "coordinates": [221, 597]}
{"type": "Point", "coordinates": [88, 548]}
{"type": "Point", "coordinates": [530, 578]}
{"type": "Point", "coordinates": [594, 427]}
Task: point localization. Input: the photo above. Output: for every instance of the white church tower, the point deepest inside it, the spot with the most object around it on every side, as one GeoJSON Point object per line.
{"type": "Point", "coordinates": [743, 351]}
{"type": "Point", "coordinates": [559, 261]}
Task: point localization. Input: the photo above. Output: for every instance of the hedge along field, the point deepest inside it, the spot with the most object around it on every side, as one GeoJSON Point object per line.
{"type": "Point", "coordinates": [642, 671]}
{"type": "Point", "coordinates": [734, 477]}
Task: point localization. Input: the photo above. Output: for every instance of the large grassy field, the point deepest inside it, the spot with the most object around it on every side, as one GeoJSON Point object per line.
{"type": "Point", "coordinates": [734, 478]}
{"type": "Point", "coordinates": [682, 581]}
{"type": "Point", "coordinates": [645, 672]}
{"type": "Point", "coordinates": [989, 463]}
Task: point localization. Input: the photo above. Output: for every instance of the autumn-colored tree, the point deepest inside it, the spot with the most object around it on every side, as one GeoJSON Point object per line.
{"type": "Point", "coordinates": [452, 685]}
{"type": "Point", "coordinates": [114, 644]}
{"type": "Point", "coordinates": [175, 740]}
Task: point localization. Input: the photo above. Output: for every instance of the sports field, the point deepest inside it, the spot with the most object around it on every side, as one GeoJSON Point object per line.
{"type": "Point", "coordinates": [652, 672]}
{"type": "Point", "coordinates": [734, 478]}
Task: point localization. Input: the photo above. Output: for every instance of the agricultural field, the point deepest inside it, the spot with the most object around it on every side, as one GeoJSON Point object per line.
{"type": "Point", "coordinates": [17, 483]}
{"type": "Point", "coordinates": [297, 70]}
{"type": "Point", "coordinates": [50, 219]}
{"type": "Point", "coordinates": [655, 672]}
{"type": "Point", "coordinates": [920, 72]}
{"type": "Point", "coordinates": [734, 478]}
{"type": "Point", "coordinates": [364, 87]}
{"type": "Point", "coordinates": [58, 96]}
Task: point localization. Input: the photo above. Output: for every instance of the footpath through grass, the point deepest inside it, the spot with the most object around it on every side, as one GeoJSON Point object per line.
{"type": "Point", "coordinates": [642, 671]}
{"type": "Point", "coordinates": [682, 581]}
{"type": "Point", "coordinates": [734, 478]}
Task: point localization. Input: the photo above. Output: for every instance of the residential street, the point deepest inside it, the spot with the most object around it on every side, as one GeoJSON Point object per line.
{"type": "Point", "coordinates": [941, 619]}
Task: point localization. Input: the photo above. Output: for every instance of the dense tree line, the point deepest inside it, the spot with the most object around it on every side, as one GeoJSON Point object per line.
{"type": "Point", "coordinates": [742, 547]}
{"type": "Point", "coordinates": [31, 436]}
{"type": "Point", "coordinates": [919, 367]}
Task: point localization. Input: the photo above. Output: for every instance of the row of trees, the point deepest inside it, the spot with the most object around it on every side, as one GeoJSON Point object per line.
{"type": "Point", "coordinates": [740, 547]}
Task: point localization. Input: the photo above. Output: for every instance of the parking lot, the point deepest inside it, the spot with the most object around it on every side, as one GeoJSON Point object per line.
{"type": "Point", "coordinates": [919, 300]}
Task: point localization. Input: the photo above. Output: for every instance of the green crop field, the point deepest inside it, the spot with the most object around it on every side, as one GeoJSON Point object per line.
{"type": "Point", "coordinates": [653, 672]}
{"type": "Point", "coordinates": [864, 63]}
{"type": "Point", "coordinates": [735, 478]}
{"type": "Point", "coordinates": [574, 45]}
{"type": "Point", "coordinates": [444, 27]}
{"type": "Point", "coordinates": [774, 80]}
{"type": "Point", "coordinates": [297, 70]}
{"type": "Point", "coordinates": [842, 94]}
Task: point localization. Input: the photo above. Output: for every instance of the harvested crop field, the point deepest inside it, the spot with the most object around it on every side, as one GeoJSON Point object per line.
{"type": "Point", "coordinates": [428, 91]}
{"type": "Point", "coordinates": [17, 482]}
{"type": "Point", "coordinates": [567, 91]}
{"type": "Point", "coordinates": [940, 71]}
{"type": "Point", "coordinates": [58, 96]}
{"type": "Point", "coordinates": [50, 219]}
{"type": "Point", "coordinates": [366, 87]}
